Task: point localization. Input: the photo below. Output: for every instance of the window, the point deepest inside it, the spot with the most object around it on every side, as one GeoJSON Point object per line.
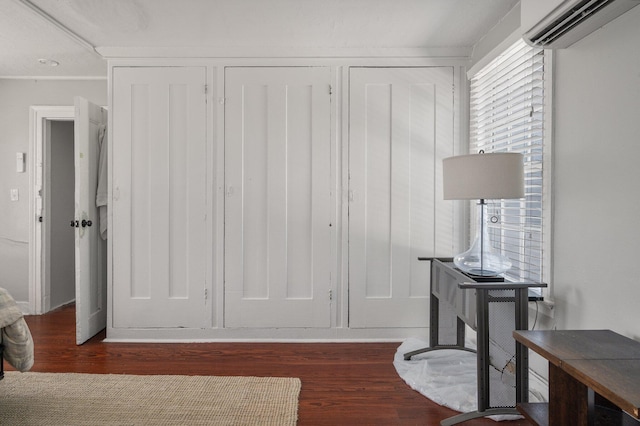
{"type": "Point", "coordinates": [508, 115]}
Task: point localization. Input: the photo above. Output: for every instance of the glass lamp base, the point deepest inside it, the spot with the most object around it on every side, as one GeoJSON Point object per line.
{"type": "Point", "coordinates": [491, 264]}
{"type": "Point", "coordinates": [481, 259]}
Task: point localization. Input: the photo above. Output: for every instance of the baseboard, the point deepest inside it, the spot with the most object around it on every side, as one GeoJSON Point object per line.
{"type": "Point", "coordinates": [263, 335]}
{"type": "Point", "coordinates": [25, 307]}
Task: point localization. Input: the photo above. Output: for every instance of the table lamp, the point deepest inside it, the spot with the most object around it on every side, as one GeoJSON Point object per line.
{"type": "Point", "coordinates": [482, 177]}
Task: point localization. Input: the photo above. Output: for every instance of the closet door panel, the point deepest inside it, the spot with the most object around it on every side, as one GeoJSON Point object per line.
{"type": "Point", "coordinates": [277, 210]}
{"type": "Point", "coordinates": [400, 128]}
{"type": "Point", "coordinates": [160, 199]}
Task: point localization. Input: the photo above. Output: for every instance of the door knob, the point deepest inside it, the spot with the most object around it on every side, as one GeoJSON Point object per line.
{"type": "Point", "coordinates": [86, 223]}
{"type": "Point", "coordinates": [75, 224]}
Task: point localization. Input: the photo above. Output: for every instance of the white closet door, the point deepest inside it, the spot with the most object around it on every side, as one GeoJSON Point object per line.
{"type": "Point", "coordinates": [400, 128]}
{"type": "Point", "coordinates": [277, 209]}
{"type": "Point", "coordinates": [159, 197]}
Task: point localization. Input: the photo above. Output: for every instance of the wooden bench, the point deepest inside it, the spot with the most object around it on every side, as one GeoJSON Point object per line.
{"type": "Point", "coordinates": [594, 377]}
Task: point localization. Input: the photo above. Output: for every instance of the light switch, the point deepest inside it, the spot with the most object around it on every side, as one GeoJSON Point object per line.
{"type": "Point", "coordinates": [15, 194]}
{"type": "Point", "coordinates": [20, 162]}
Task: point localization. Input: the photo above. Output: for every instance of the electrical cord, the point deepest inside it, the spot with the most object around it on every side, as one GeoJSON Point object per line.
{"type": "Point", "coordinates": [535, 319]}
{"type": "Point", "coordinates": [513, 357]}
{"type": "Point", "coordinates": [504, 368]}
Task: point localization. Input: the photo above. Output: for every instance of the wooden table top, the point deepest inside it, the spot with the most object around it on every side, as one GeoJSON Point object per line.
{"type": "Point", "coordinates": [603, 360]}
{"type": "Point", "coordinates": [562, 345]}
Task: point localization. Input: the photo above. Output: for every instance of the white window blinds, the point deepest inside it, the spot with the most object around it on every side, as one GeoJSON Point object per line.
{"type": "Point", "coordinates": [507, 115]}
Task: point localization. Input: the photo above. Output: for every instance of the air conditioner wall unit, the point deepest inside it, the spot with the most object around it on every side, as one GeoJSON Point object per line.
{"type": "Point", "coordinates": [558, 24]}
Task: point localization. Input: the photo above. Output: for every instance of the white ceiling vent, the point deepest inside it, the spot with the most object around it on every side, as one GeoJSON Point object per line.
{"type": "Point", "coordinates": [560, 24]}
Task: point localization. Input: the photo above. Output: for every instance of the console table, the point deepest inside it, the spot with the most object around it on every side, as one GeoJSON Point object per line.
{"type": "Point", "coordinates": [593, 375]}
{"type": "Point", "coordinates": [468, 300]}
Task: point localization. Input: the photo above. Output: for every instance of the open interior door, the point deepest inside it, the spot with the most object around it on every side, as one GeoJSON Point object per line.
{"type": "Point", "coordinates": [90, 247]}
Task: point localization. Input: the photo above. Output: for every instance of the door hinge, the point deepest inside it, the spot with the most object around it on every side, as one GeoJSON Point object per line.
{"type": "Point", "coordinates": [206, 293]}
{"type": "Point", "coordinates": [206, 89]}
{"type": "Point", "coordinates": [330, 90]}
{"type": "Point", "coordinates": [330, 294]}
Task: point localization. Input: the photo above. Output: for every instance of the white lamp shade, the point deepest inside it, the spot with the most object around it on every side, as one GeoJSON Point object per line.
{"type": "Point", "coordinates": [483, 176]}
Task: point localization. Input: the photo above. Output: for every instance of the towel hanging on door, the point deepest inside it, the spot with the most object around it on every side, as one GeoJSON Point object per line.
{"type": "Point", "coordinates": [101, 191]}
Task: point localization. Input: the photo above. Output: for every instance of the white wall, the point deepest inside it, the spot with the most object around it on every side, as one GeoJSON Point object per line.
{"type": "Point", "coordinates": [597, 180]}
{"type": "Point", "coordinates": [16, 96]}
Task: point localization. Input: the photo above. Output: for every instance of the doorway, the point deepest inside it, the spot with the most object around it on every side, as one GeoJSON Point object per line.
{"type": "Point", "coordinates": [58, 213]}
{"type": "Point", "coordinates": [51, 177]}
{"type": "Point", "coordinates": [52, 180]}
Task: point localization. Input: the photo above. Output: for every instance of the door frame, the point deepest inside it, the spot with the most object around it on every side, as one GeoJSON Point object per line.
{"type": "Point", "coordinates": [38, 118]}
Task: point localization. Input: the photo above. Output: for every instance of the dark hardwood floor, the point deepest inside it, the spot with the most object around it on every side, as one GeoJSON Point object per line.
{"type": "Point", "coordinates": [342, 383]}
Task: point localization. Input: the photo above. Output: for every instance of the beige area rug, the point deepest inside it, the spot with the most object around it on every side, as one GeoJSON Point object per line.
{"type": "Point", "coordinates": [114, 399]}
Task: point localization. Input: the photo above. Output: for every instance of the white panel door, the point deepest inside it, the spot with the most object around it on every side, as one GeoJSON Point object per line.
{"type": "Point", "coordinates": [277, 209]}
{"type": "Point", "coordinates": [159, 197]}
{"type": "Point", "coordinates": [90, 249]}
{"type": "Point", "coordinates": [400, 128]}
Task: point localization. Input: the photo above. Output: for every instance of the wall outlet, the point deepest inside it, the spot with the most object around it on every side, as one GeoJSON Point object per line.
{"type": "Point", "coordinates": [15, 194]}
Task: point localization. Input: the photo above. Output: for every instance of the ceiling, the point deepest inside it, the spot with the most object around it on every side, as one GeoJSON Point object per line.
{"type": "Point", "coordinates": [78, 34]}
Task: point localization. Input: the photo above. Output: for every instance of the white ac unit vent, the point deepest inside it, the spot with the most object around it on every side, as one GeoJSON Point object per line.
{"type": "Point", "coordinates": [571, 20]}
